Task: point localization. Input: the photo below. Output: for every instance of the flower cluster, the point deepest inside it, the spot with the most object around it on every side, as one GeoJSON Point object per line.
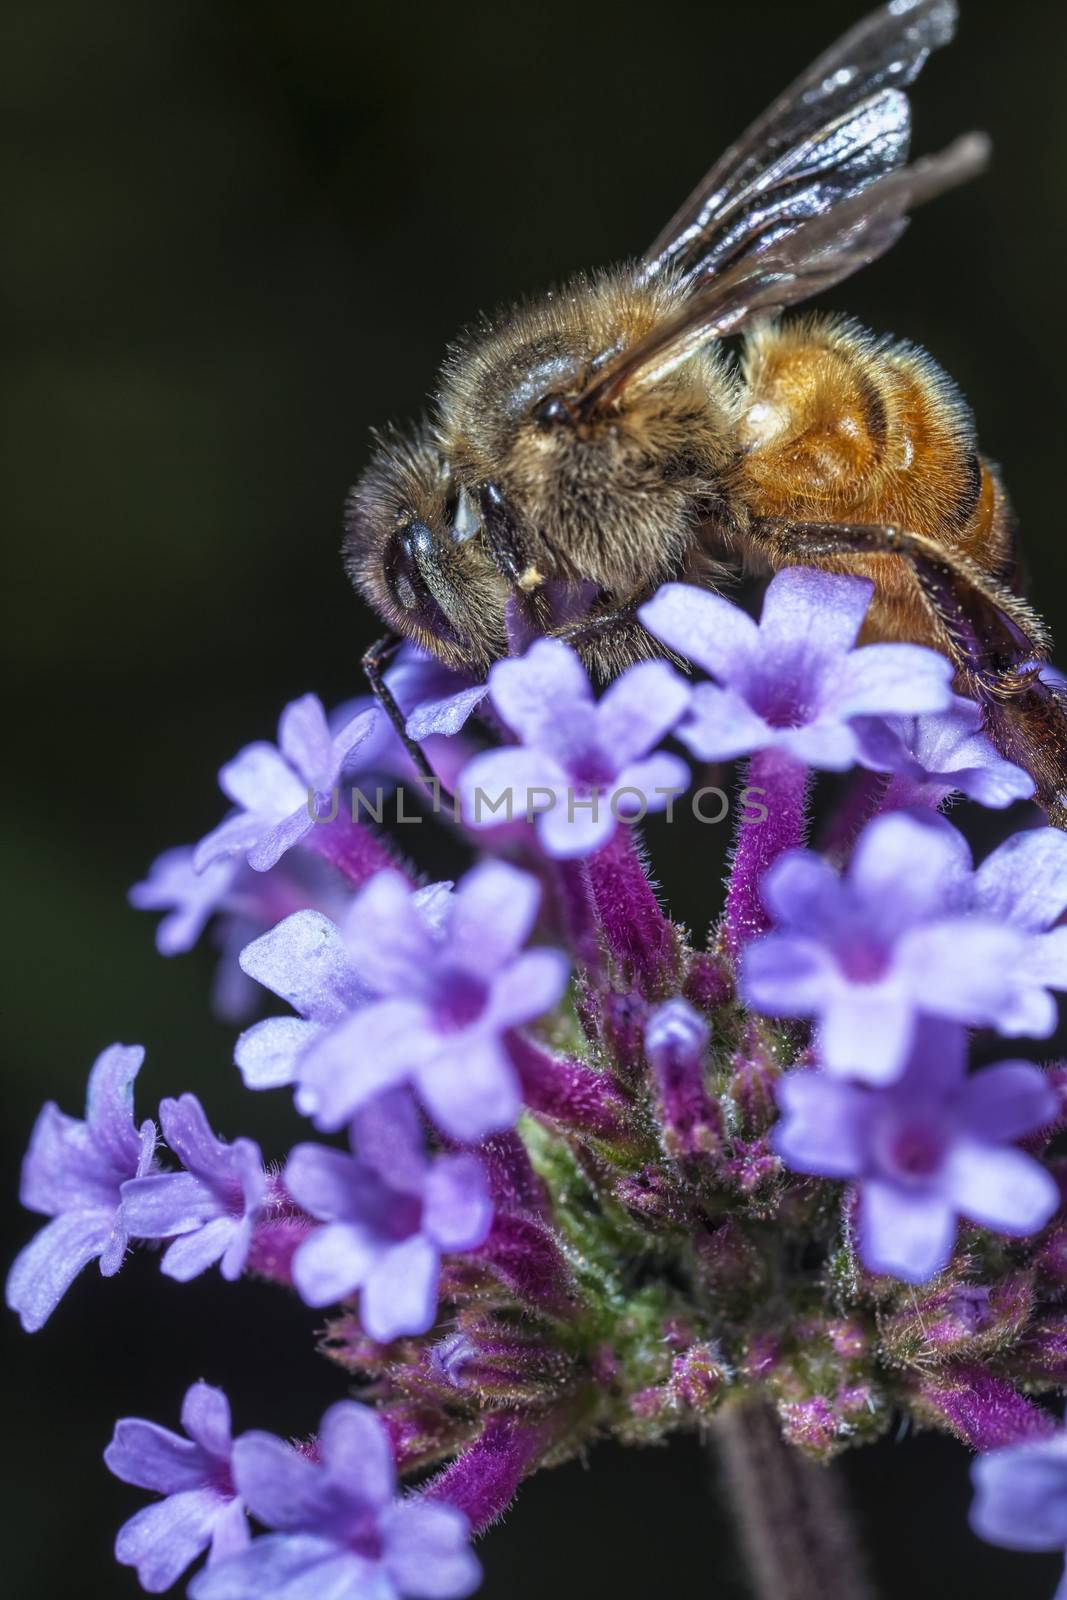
{"type": "Point", "coordinates": [564, 1172]}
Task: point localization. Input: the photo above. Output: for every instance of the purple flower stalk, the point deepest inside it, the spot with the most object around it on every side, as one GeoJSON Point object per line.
{"type": "Point", "coordinates": [795, 682]}
{"type": "Point", "coordinates": [447, 988]}
{"type": "Point", "coordinates": [208, 1210]}
{"type": "Point", "coordinates": [201, 1509]}
{"type": "Point", "coordinates": [389, 1214]}
{"type": "Point", "coordinates": [73, 1172]}
{"type": "Point", "coordinates": [925, 1150]}
{"type": "Point", "coordinates": [580, 766]}
{"type": "Point", "coordinates": [338, 1527]}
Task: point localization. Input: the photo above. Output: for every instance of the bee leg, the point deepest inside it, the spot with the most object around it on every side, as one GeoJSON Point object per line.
{"type": "Point", "coordinates": [375, 661]}
{"type": "Point", "coordinates": [995, 639]}
{"type": "Point", "coordinates": [509, 547]}
{"type": "Point", "coordinates": [611, 639]}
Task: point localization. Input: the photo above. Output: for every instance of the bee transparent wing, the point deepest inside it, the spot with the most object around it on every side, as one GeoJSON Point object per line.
{"type": "Point", "coordinates": [841, 126]}
{"type": "Point", "coordinates": [814, 255]}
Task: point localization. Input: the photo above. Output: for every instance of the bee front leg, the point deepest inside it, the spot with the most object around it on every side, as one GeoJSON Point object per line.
{"type": "Point", "coordinates": [996, 641]}
{"type": "Point", "coordinates": [375, 661]}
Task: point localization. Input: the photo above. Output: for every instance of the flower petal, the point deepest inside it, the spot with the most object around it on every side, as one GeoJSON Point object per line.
{"type": "Point", "coordinates": [167, 1204]}
{"type": "Point", "coordinates": [305, 742]}
{"type": "Point", "coordinates": [278, 1485]}
{"type": "Point", "coordinates": [388, 942]}
{"type": "Point", "coordinates": [1007, 1101]}
{"type": "Point", "coordinates": [471, 1093]}
{"type": "Point", "coordinates": [261, 782]}
{"type": "Point", "coordinates": [446, 715]}
{"type": "Point", "coordinates": [427, 1551]}
{"type": "Point", "coordinates": [109, 1108]}
{"type": "Point", "coordinates": [193, 1253]}
{"type": "Point", "coordinates": [576, 826]}
{"type": "Point", "coordinates": [1021, 1500]}
{"type": "Point", "coordinates": [908, 1233]}
{"type": "Point", "coordinates": [44, 1270]}
{"type": "Point", "coordinates": [530, 986]}
{"type": "Point", "coordinates": [206, 1418]}
{"type": "Point", "coordinates": [721, 725]}
{"type": "Point", "coordinates": [823, 611]}
{"type": "Point", "coordinates": [887, 679]}
{"type": "Point", "coordinates": [151, 1457]}
{"type": "Point", "coordinates": [1024, 881]}
{"type": "Point", "coordinates": [540, 686]}
{"type": "Point", "coordinates": [163, 1539]}
{"type": "Point", "coordinates": [639, 710]}
{"type": "Point", "coordinates": [400, 1291]}
{"type": "Point", "coordinates": [333, 1261]}
{"type": "Point", "coordinates": [655, 779]}
{"type": "Point", "coordinates": [824, 1126]}
{"type": "Point", "coordinates": [374, 1049]}
{"type": "Point", "coordinates": [510, 785]}
{"type": "Point", "coordinates": [292, 1566]}
{"type": "Point", "coordinates": [304, 961]}
{"type": "Point", "coordinates": [1000, 1187]}
{"type": "Point", "coordinates": [457, 1209]}
{"type": "Point", "coordinates": [268, 1054]}
{"type": "Point", "coordinates": [493, 914]}
{"type": "Point", "coordinates": [703, 627]}
{"type": "Point", "coordinates": [357, 1452]}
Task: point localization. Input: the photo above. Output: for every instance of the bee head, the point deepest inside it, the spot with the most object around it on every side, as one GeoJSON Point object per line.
{"type": "Point", "coordinates": [408, 549]}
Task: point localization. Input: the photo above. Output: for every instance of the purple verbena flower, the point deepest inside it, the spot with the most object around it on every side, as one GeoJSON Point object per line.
{"type": "Point", "coordinates": [189, 898]}
{"type": "Point", "coordinates": [340, 1532]}
{"type": "Point", "coordinates": [942, 753]}
{"type": "Point", "coordinates": [73, 1172]}
{"type": "Point", "coordinates": [273, 787]}
{"type": "Point", "coordinates": [209, 1209]}
{"type": "Point", "coordinates": [925, 1150]}
{"type": "Point", "coordinates": [201, 1509]}
{"type": "Point", "coordinates": [436, 703]}
{"type": "Point", "coordinates": [795, 682]}
{"type": "Point", "coordinates": [1021, 1497]}
{"type": "Point", "coordinates": [911, 928]}
{"type": "Point", "coordinates": [581, 765]}
{"type": "Point", "coordinates": [449, 980]}
{"type": "Point", "coordinates": [390, 1213]}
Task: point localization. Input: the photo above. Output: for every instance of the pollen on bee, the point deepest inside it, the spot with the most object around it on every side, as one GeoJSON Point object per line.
{"type": "Point", "coordinates": [531, 578]}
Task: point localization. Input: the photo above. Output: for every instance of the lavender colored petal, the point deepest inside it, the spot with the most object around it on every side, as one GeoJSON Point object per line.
{"type": "Point", "coordinates": [721, 725]}
{"type": "Point", "coordinates": [446, 715]}
{"type": "Point", "coordinates": [387, 1136]}
{"type": "Point", "coordinates": [268, 1053]}
{"type": "Point", "coordinates": [802, 890]}
{"type": "Point", "coordinates": [163, 1539]}
{"type": "Point", "coordinates": [1021, 1500]}
{"type": "Point", "coordinates": [168, 1203]}
{"type": "Point", "coordinates": [658, 772]}
{"type": "Point", "coordinates": [231, 1534]}
{"type": "Point", "coordinates": [883, 679]}
{"type": "Point", "coordinates": [1024, 881]}
{"type": "Point", "coordinates": [304, 960]}
{"type": "Point", "coordinates": [44, 1270]}
{"type": "Point", "coordinates": [193, 1253]}
{"type": "Point", "coordinates": [206, 1418]}
{"type": "Point", "coordinates": [639, 710]}
{"type": "Point", "coordinates": [261, 782]}
{"type": "Point", "coordinates": [1045, 961]}
{"type": "Point", "coordinates": [279, 1486]}
{"type": "Point", "coordinates": [235, 1255]}
{"type": "Point", "coordinates": [235, 835]}
{"type": "Point", "coordinates": [961, 967]}
{"type": "Point", "coordinates": [274, 841]}
{"type": "Point", "coordinates": [1007, 1101]}
{"type": "Point", "coordinates": [825, 1125]}
{"type": "Point", "coordinates": [493, 914]}
{"type": "Point", "coordinates": [908, 1233]}
{"type": "Point", "coordinates": [824, 610]}
{"type": "Point", "coordinates": [109, 1106]}
{"type": "Point", "coordinates": [576, 826]}
{"type": "Point", "coordinates": [472, 1092]}
{"type": "Point", "coordinates": [703, 627]}
{"type": "Point", "coordinates": [912, 867]}
{"type": "Point", "coordinates": [388, 942]}
{"type": "Point", "coordinates": [826, 744]}
{"type": "Point", "coordinates": [501, 786]}
{"type": "Point", "coordinates": [867, 1033]}
{"type": "Point", "coordinates": [529, 987]}
{"type": "Point", "coordinates": [1000, 1187]}
{"type": "Point", "coordinates": [151, 1457]}
{"type": "Point", "coordinates": [291, 1566]}
{"type": "Point", "coordinates": [399, 1294]}
{"type": "Point", "coordinates": [333, 1261]}
{"type": "Point", "coordinates": [190, 898]}
{"type": "Point", "coordinates": [191, 1137]}
{"type": "Point", "coordinates": [63, 1169]}
{"type": "Point", "coordinates": [356, 1449]}
{"type": "Point", "coordinates": [530, 692]}
{"type": "Point", "coordinates": [320, 1180]}
{"type": "Point", "coordinates": [375, 1049]}
{"type": "Point", "coordinates": [457, 1210]}
{"type": "Point", "coordinates": [786, 976]}
{"type": "Point", "coordinates": [427, 1551]}
{"type": "Point", "coordinates": [305, 741]}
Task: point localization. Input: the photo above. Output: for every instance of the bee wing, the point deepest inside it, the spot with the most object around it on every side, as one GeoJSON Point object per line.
{"type": "Point", "coordinates": [842, 125]}
{"type": "Point", "coordinates": [814, 255]}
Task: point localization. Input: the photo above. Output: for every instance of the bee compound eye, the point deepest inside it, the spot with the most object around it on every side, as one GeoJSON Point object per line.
{"type": "Point", "coordinates": [402, 569]}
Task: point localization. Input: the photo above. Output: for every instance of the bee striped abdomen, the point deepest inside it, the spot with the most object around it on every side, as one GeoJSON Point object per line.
{"type": "Point", "coordinates": [840, 427]}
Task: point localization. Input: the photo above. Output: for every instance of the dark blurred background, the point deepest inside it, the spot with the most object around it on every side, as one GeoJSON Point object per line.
{"type": "Point", "coordinates": [237, 235]}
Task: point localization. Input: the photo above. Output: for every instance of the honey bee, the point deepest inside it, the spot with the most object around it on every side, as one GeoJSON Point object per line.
{"type": "Point", "coordinates": [590, 446]}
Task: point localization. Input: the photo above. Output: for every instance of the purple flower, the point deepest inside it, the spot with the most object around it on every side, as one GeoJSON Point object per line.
{"type": "Point", "coordinates": [943, 753]}
{"type": "Point", "coordinates": [1021, 1496]}
{"type": "Point", "coordinates": [449, 980]}
{"type": "Point", "coordinates": [189, 898]}
{"type": "Point", "coordinates": [272, 787]}
{"type": "Point", "coordinates": [201, 1507]}
{"type": "Point", "coordinates": [340, 1531]}
{"type": "Point", "coordinates": [390, 1213]}
{"type": "Point", "coordinates": [209, 1209]}
{"type": "Point", "coordinates": [73, 1172]}
{"type": "Point", "coordinates": [436, 703]}
{"type": "Point", "coordinates": [581, 765]}
{"type": "Point", "coordinates": [911, 928]}
{"type": "Point", "coordinates": [925, 1150]}
{"type": "Point", "coordinates": [795, 682]}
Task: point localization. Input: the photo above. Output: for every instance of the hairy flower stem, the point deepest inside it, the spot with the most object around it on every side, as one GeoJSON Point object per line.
{"type": "Point", "coordinates": [781, 786]}
{"type": "Point", "coordinates": [578, 915]}
{"type": "Point", "coordinates": [636, 932]}
{"type": "Point", "coordinates": [790, 1513]}
{"type": "Point", "coordinates": [352, 848]}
